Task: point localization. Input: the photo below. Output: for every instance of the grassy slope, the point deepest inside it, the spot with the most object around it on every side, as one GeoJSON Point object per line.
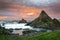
{"type": "Point", "coordinates": [4, 37]}
{"type": "Point", "coordinates": [44, 36]}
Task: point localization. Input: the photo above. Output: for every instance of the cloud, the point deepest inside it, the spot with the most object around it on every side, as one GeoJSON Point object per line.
{"type": "Point", "coordinates": [53, 10]}
{"type": "Point", "coordinates": [18, 9]}
{"type": "Point", "coordinates": [56, 8]}
{"type": "Point", "coordinates": [33, 2]}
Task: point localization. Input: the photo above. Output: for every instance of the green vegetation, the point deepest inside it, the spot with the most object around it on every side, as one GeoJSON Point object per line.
{"type": "Point", "coordinates": [44, 36]}
{"type": "Point", "coordinates": [55, 35]}
{"type": "Point", "coordinates": [56, 22]}
{"type": "Point", "coordinates": [4, 34]}
{"type": "Point", "coordinates": [4, 37]}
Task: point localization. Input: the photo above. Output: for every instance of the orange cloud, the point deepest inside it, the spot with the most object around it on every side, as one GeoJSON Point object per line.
{"type": "Point", "coordinates": [3, 17]}
{"type": "Point", "coordinates": [24, 11]}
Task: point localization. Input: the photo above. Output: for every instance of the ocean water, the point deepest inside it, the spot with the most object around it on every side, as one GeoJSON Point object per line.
{"type": "Point", "coordinates": [22, 26]}
{"type": "Point", "coordinates": [13, 26]}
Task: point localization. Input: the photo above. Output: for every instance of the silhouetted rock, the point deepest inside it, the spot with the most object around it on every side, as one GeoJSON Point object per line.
{"type": "Point", "coordinates": [22, 21]}
{"type": "Point", "coordinates": [43, 21]}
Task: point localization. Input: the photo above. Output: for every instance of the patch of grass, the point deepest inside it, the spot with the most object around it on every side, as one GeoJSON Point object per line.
{"type": "Point", "coordinates": [4, 37]}
{"type": "Point", "coordinates": [55, 35]}
{"type": "Point", "coordinates": [44, 36]}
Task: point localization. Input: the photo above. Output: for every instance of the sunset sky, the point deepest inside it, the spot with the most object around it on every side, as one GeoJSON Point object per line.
{"type": "Point", "coordinates": [28, 9]}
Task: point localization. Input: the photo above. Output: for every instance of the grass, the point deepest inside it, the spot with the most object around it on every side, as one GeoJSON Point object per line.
{"type": "Point", "coordinates": [4, 37]}
{"type": "Point", "coordinates": [42, 36]}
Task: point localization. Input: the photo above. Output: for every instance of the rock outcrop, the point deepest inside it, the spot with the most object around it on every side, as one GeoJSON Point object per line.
{"type": "Point", "coordinates": [22, 21]}
{"type": "Point", "coordinates": [44, 21]}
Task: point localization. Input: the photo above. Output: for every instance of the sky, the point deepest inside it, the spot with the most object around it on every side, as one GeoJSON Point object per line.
{"type": "Point", "coordinates": [28, 9]}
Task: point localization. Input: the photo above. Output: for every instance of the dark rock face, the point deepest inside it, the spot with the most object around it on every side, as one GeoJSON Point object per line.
{"type": "Point", "coordinates": [22, 21]}
{"type": "Point", "coordinates": [43, 21]}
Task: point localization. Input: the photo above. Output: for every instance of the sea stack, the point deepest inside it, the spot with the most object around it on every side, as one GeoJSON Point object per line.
{"type": "Point", "coordinates": [43, 20]}
{"type": "Point", "coordinates": [22, 21]}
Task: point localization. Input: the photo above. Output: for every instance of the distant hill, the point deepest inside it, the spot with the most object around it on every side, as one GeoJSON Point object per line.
{"type": "Point", "coordinates": [22, 21]}
{"type": "Point", "coordinates": [44, 21]}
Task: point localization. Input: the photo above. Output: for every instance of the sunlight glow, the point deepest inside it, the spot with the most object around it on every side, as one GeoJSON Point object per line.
{"type": "Point", "coordinates": [3, 17]}
{"type": "Point", "coordinates": [30, 14]}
